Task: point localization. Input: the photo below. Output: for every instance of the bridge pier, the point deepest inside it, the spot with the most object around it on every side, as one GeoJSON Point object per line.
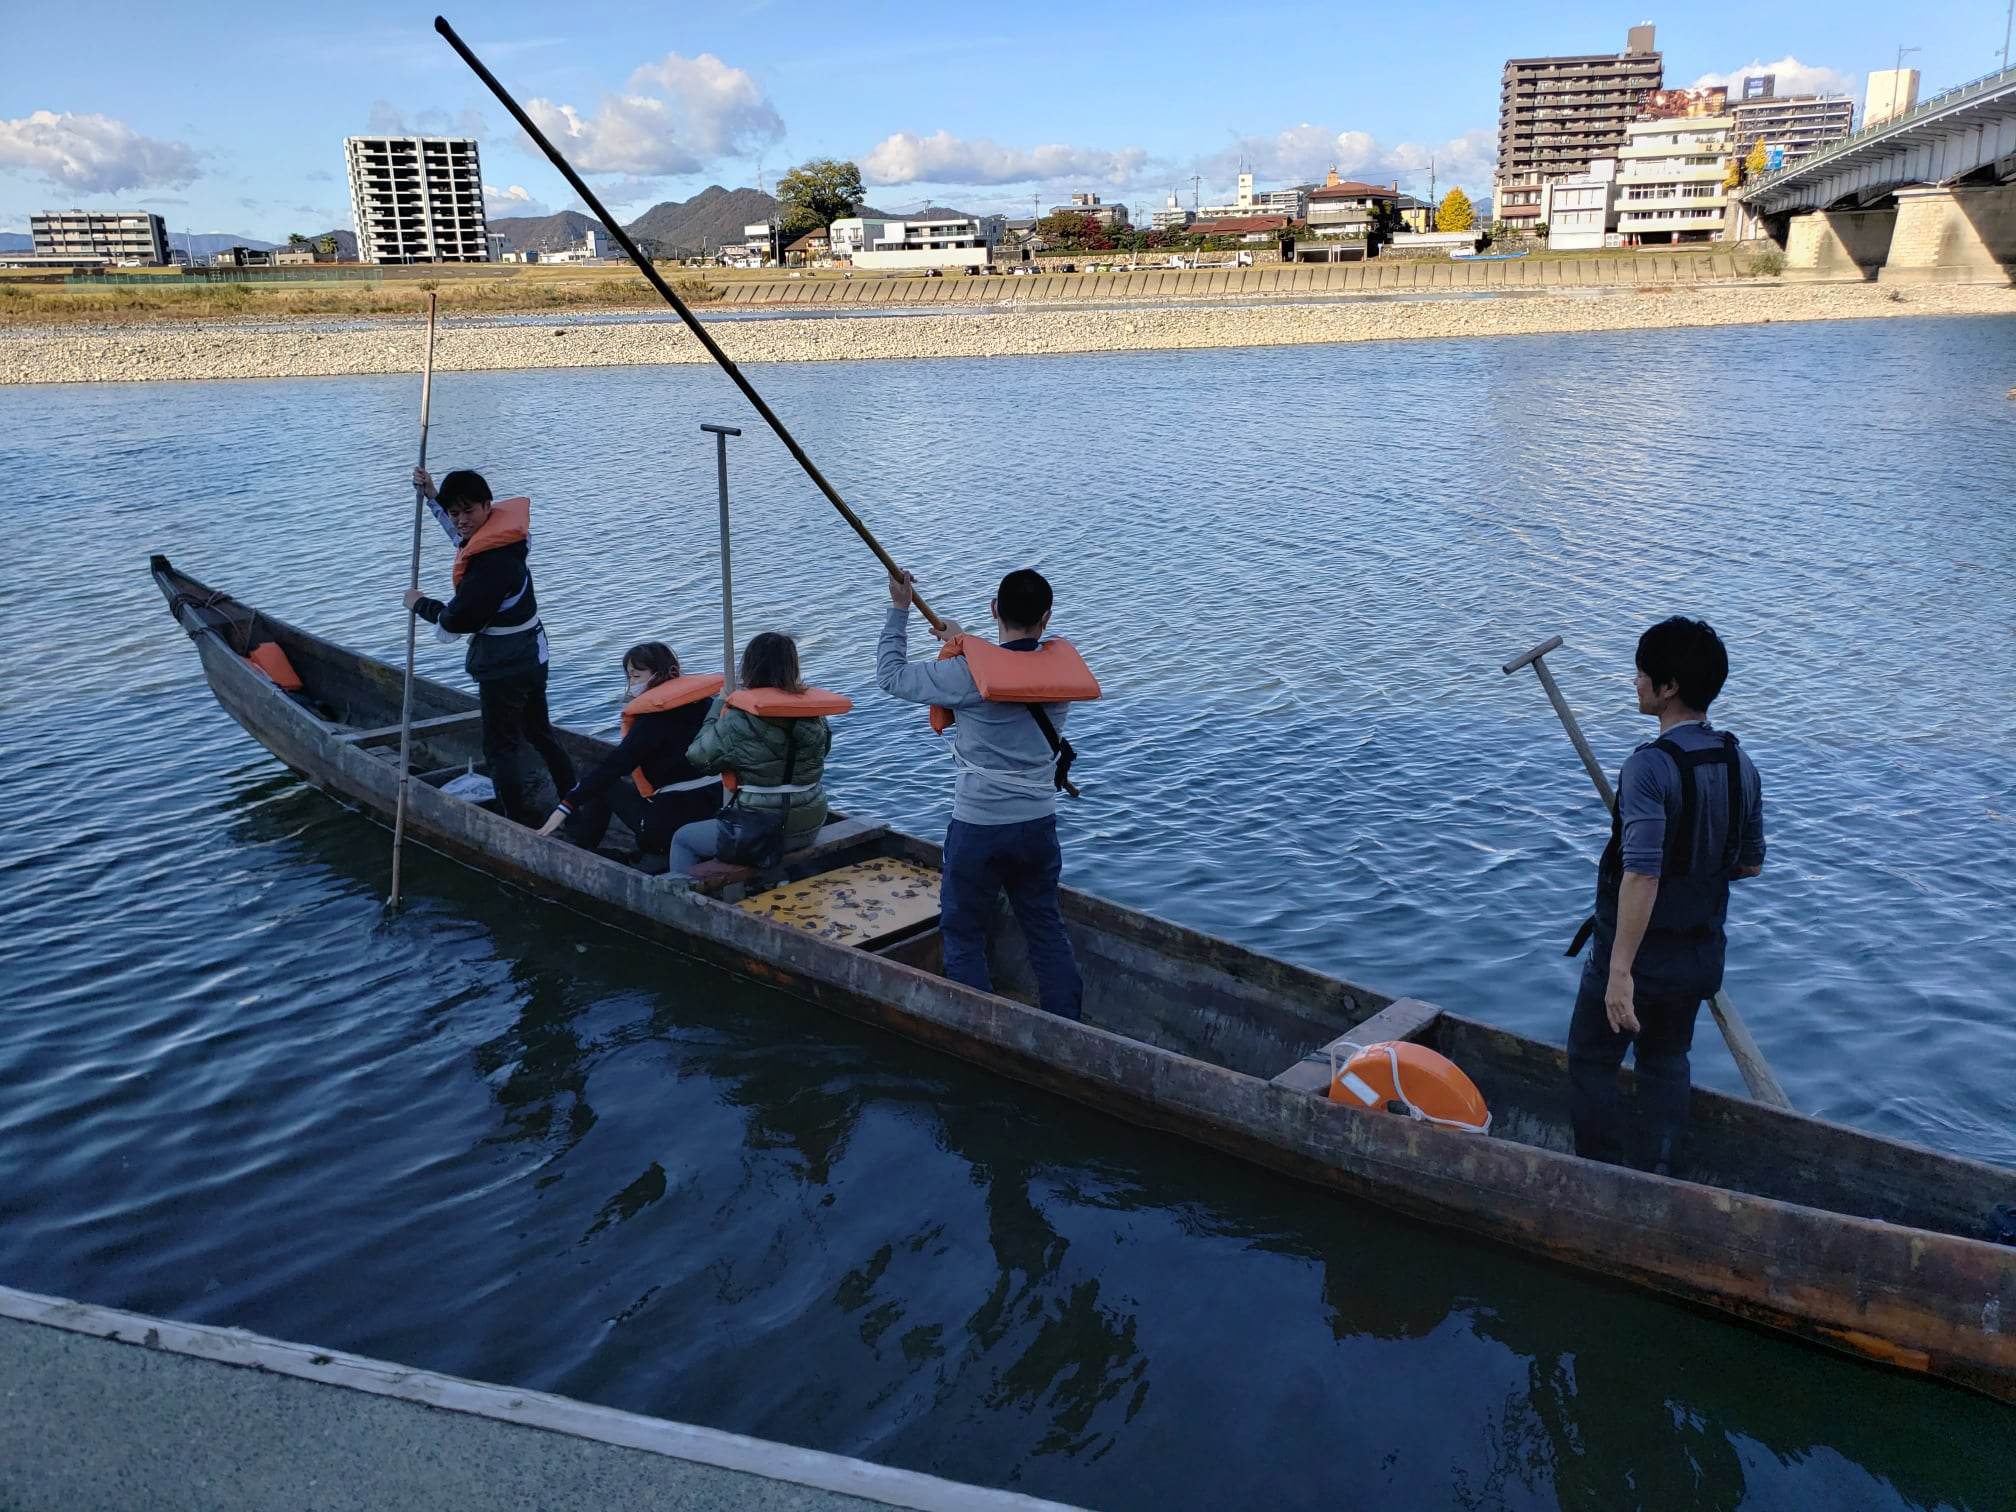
{"type": "Point", "coordinates": [1953, 235]}
{"type": "Point", "coordinates": [1837, 244]}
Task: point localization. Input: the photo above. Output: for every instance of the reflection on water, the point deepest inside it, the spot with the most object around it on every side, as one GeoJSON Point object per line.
{"type": "Point", "coordinates": [490, 1137]}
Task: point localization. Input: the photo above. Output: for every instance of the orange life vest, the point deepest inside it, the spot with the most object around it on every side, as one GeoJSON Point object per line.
{"type": "Point", "coordinates": [673, 693]}
{"type": "Point", "coordinates": [1424, 1083]}
{"type": "Point", "coordinates": [510, 522]}
{"type": "Point", "coordinates": [270, 659]}
{"type": "Point", "coordinates": [775, 703]}
{"type": "Point", "coordinates": [1053, 673]}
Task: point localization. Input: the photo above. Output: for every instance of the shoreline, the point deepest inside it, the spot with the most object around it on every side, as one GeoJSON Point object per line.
{"type": "Point", "coordinates": [294, 347]}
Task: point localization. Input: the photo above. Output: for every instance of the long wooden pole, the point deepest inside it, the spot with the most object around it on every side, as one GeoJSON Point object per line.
{"type": "Point", "coordinates": [412, 619]}
{"type": "Point", "coordinates": [653, 277]}
{"type": "Point", "coordinates": [721, 435]}
{"type": "Point", "coordinates": [1757, 1074]}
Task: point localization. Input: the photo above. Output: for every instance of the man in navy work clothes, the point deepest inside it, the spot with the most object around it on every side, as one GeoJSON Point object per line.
{"type": "Point", "coordinates": [1689, 821]}
{"type": "Point", "coordinates": [1003, 834]}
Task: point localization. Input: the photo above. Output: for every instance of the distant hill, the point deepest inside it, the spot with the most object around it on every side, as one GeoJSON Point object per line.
{"type": "Point", "coordinates": [702, 223]}
{"type": "Point", "coordinates": [543, 233]}
{"type": "Point", "coordinates": [16, 241]}
{"type": "Point", "coordinates": [205, 243]}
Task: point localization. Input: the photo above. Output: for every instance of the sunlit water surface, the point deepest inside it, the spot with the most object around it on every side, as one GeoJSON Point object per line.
{"type": "Point", "coordinates": [495, 1139]}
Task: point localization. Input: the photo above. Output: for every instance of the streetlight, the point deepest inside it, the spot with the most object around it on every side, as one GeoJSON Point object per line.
{"type": "Point", "coordinates": [1897, 78]}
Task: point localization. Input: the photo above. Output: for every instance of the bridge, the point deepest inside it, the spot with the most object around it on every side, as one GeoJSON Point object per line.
{"type": "Point", "coordinates": [1924, 197]}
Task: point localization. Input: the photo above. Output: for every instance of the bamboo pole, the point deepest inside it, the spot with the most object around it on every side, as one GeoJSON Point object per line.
{"type": "Point", "coordinates": [412, 619]}
{"type": "Point", "coordinates": [657, 281]}
{"type": "Point", "coordinates": [1757, 1075]}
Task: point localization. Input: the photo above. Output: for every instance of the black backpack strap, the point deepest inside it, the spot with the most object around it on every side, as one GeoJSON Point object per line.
{"type": "Point", "coordinates": [1059, 746]}
{"type": "Point", "coordinates": [1680, 837]}
{"type": "Point", "coordinates": [1732, 843]}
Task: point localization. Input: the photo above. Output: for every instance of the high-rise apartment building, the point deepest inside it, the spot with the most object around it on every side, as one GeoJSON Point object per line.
{"type": "Point", "coordinates": [1791, 127]}
{"type": "Point", "coordinates": [417, 199]}
{"type": "Point", "coordinates": [129, 237]}
{"type": "Point", "coordinates": [1558, 115]}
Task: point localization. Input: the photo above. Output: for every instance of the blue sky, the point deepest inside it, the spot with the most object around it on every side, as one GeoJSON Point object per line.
{"type": "Point", "coordinates": [232, 120]}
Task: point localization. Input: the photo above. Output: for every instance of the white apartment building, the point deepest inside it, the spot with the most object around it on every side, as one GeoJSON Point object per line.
{"type": "Point", "coordinates": [1247, 201]}
{"type": "Point", "coordinates": [130, 238]}
{"type": "Point", "coordinates": [935, 242]}
{"type": "Point", "coordinates": [1669, 180]}
{"type": "Point", "coordinates": [1110, 216]}
{"type": "Point", "coordinates": [1171, 217]}
{"type": "Point", "coordinates": [417, 199]}
{"type": "Point", "coordinates": [1580, 212]}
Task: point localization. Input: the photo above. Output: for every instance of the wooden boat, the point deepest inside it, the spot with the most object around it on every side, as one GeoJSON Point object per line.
{"type": "Point", "coordinates": [1865, 1244]}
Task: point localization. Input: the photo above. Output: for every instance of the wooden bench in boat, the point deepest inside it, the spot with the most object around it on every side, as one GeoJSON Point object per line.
{"type": "Point", "coordinates": [390, 733]}
{"type": "Point", "coordinates": [728, 882]}
{"type": "Point", "coordinates": [1401, 1019]}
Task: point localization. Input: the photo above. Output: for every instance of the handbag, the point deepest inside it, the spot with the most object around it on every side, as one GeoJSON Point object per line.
{"type": "Point", "coordinates": [755, 836]}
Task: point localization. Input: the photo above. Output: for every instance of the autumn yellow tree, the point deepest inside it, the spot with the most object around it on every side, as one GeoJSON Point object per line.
{"type": "Point", "coordinates": [1758, 160]}
{"type": "Point", "coordinates": [1455, 213]}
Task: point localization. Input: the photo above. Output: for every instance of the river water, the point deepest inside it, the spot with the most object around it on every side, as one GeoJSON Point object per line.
{"type": "Point", "coordinates": [491, 1138]}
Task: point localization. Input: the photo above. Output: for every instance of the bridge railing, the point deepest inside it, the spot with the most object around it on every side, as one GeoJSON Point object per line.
{"type": "Point", "coordinates": [1944, 100]}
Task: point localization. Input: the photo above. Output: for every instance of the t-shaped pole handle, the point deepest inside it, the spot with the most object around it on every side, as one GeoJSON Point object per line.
{"type": "Point", "coordinates": [1534, 658]}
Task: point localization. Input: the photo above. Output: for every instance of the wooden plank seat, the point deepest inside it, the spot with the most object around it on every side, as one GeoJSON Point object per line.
{"type": "Point", "coordinates": [867, 904]}
{"type": "Point", "coordinates": [390, 733]}
{"type": "Point", "coordinates": [1401, 1019]}
{"type": "Point", "coordinates": [727, 881]}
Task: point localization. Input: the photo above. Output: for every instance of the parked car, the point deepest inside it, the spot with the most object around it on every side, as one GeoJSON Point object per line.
{"type": "Point", "coordinates": [1068, 268]}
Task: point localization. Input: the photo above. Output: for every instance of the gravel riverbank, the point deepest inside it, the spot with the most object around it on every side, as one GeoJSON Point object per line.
{"type": "Point", "coordinates": [301, 350]}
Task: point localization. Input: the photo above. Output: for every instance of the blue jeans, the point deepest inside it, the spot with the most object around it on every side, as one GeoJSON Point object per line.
{"type": "Point", "coordinates": [701, 841]}
{"type": "Point", "coordinates": [981, 862]}
{"type": "Point", "coordinates": [1595, 1051]}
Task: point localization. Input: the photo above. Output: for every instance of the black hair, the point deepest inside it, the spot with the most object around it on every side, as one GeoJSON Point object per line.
{"type": "Point", "coordinates": [770, 660]}
{"type": "Point", "coordinates": [654, 657]}
{"type": "Point", "coordinates": [462, 487]}
{"type": "Point", "coordinates": [1686, 652]}
{"type": "Point", "coordinates": [1023, 598]}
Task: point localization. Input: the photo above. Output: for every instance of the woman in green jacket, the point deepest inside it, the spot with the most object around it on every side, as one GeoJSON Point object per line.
{"type": "Point", "coordinates": [755, 747]}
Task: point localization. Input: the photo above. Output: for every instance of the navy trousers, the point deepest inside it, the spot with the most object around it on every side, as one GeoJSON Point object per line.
{"type": "Point", "coordinates": [1595, 1051]}
{"type": "Point", "coordinates": [515, 729]}
{"type": "Point", "coordinates": [982, 861]}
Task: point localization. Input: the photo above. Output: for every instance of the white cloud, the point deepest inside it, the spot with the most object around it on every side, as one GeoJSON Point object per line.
{"type": "Point", "coordinates": [386, 119]}
{"type": "Point", "coordinates": [514, 199]}
{"type": "Point", "coordinates": [1303, 154]}
{"type": "Point", "coordinates": [942, 158]}
{"type": "Point", "coordinates": [1794, 78]}
{"type": "Point", "coordinates": [92, 153]}
{"type": "Point", "coordinates": [674, 116]}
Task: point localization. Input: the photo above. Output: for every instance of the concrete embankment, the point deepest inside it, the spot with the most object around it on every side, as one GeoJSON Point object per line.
{"type": "Point", "coordinates": [100, 1408]}
{"type": "Point", "coordinates": [307, 348]}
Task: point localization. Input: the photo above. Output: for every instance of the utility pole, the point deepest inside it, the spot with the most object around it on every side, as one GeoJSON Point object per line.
{"type": "Point", "coordinates": [2008, 25]}
{"type": "Point", "coordinates": [1433, 203]}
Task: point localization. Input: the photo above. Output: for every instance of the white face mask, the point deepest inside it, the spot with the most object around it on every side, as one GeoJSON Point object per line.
{"type": "Point", "coordinates": [638, 685]}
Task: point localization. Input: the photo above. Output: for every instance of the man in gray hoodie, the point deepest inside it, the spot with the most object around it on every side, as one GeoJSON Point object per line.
{"type": "Point", "coordinates": [1003, 834]}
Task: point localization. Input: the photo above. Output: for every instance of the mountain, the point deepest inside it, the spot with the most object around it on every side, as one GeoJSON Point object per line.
{"type": "Point", "coordinates": [16, 241]}
{"type": "Point", "coordinates": [346, 243]}
{"type": "Point", "coordinates": [205, 243]}
{"type": "Point", "coordinates": [543, 233]}
{"type": "Point", "coordinates": [702, 223]}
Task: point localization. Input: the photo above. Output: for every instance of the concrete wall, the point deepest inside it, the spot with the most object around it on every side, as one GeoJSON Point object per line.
{"type": "Point", "coordinates": [1838, 244]}
{"type": "Point", "coordinates": [1953, 236]}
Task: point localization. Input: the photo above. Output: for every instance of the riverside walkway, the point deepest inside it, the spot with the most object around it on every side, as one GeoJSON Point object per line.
{"type": "Point", "coordinates": [108, 1409]}
{"type": "Point", "coordinates": [1379, 276]}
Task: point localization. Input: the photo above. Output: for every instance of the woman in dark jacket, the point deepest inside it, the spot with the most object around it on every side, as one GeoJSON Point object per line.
{"type": "Point", "coordinates": [647, 782]}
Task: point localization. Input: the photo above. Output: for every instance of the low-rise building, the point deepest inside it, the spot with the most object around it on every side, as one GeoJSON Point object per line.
{"type": "Point", "coordinates": [1247, 201]}
{"type": "Point", "coordinates": [594, 246]}
{"type": "Point", "coordinates": [1515, 203]}
{"type": "Point", "coordinates": [810, 247]}
{"type": "Point", "coordinates": [130, 238]}
{"type": "Point", "coordinates": [1109, 216]}
{"type": "Point", "coordinates": [928, 242]}
{"type": "Point", "coordinates": [1246, 228]}
{"type": "Point", "coordinates": [1416, 215]}
{"type": "Point", "coordinates": [1791, 127]}
{"type": "Point", "coordinates": [293, 257]}
{"type": "Point", "coordinates": [515, 256]}
{"type": "Point", "coordinates": [1580, 212]}
{"type": "Point", "coordinates": [1345, 207]}
{"type": "Point", "coordinates": [499, 244]}
{"type": "Point", "coordinates": [1171, 217]}
{"type": "Point", "coordinates": [1670, 180]}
